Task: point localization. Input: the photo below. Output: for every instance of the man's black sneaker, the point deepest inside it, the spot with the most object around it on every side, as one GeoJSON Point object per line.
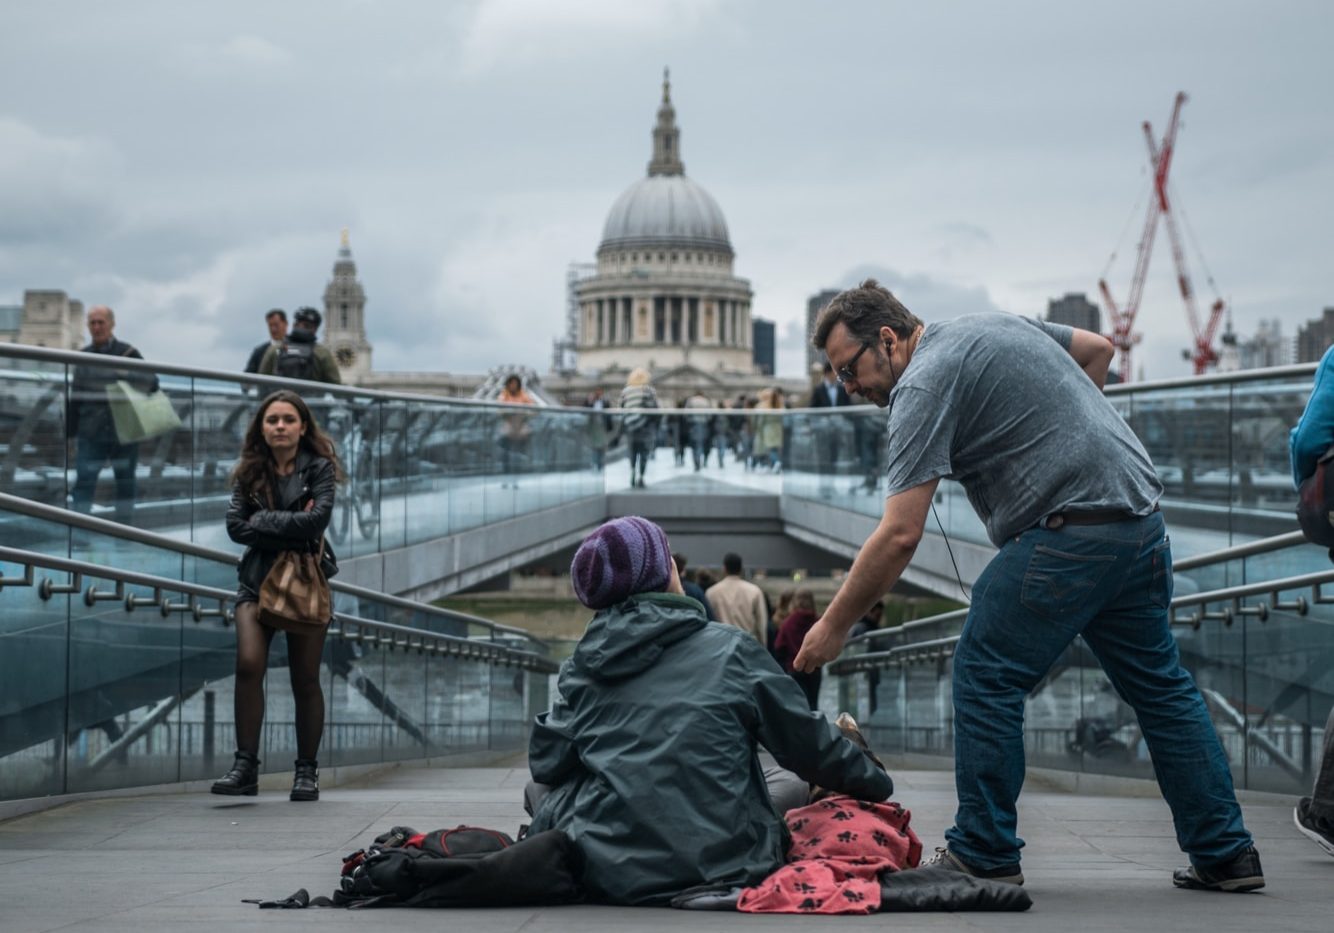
{"type": "Point", "coordinates": [1318, 829]}
{"type": "Point", "coordinates": [1239, 873]}
{"type": "Point", "coordinates": [944, 858]}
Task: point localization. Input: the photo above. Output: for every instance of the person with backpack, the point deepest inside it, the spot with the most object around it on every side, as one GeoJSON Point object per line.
{"type": "Point", "coordinates": [299, 356]}
{"type": "Point", "coordinates": [282, 499]}
{"type": "Point", "coordinates": [648, 758]}
{"type": "Point", "coordinates": [1308, 444]}
{"type": "Point", "coordinates": [639, 427]}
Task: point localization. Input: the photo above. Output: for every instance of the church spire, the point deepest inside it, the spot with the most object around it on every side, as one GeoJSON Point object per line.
{"type": "Point", "coordinates": [666, 137]}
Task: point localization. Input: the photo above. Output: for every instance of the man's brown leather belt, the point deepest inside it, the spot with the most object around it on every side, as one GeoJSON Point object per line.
{"type": "Point", "coordinates": [1089, 517]}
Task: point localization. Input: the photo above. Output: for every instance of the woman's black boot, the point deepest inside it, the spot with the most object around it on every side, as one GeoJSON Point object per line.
{"type": "Point", "coordinates": [242, 780]}
{"type": "Point", "coordinates": [306, 781]}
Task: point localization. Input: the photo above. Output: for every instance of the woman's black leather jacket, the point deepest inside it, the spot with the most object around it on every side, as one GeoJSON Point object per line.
{"type": "Point", "coordinates": [266, 531]}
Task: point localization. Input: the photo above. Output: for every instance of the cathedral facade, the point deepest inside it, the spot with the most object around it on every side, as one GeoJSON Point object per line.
{"type": "Point", "coordinates": [665, 295]}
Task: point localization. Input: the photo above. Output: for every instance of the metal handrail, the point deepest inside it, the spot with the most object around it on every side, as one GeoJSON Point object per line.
{"type": "Point", "coordinates": [1237, 552]}
{"type": "Point", "coordinates": [1232, 594]}
{"type": "Point", "coordinates": [420, 639]}
{"type": "Point", "coordinates": [52, 513]}
{"type": "Point", "coordinates": [241, 380]}
{"type": "Point", "coordinates": [1241, 375]}
{"type": "Point", "coordinates": [79, 358]}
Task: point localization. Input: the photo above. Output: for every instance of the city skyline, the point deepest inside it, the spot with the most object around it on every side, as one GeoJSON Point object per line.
{"type": "Point", "coordinates": [195, 167]}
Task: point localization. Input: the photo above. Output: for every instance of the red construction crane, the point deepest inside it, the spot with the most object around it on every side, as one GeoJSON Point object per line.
{"type": "Point", "coordinates": [1123, 335]}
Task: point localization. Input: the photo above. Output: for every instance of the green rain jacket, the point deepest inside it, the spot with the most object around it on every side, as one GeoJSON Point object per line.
{"type": "Point", "coordinates": [650, 748]}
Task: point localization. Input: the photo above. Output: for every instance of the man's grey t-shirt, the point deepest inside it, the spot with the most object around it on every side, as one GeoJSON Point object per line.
{"type": "Point", "coordinates": [996, 402]}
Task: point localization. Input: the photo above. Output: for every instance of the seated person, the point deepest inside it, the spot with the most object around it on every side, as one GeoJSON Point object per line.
{"type": "Point", "coordinates": [650, 747]}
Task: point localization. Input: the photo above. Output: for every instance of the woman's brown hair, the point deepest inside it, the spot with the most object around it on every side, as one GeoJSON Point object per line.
{"type": "Point", "coordinates": [254, 468]}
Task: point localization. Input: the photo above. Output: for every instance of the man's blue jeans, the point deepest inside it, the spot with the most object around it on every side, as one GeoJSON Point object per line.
{"type": "Point", "coordinates": [1112, 584]}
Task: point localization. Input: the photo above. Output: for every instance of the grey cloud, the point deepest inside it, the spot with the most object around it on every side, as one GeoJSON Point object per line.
{"type": "Point", "coordinates": [929, 298]}
{"type": "Point", "coordinates": [216, 151]}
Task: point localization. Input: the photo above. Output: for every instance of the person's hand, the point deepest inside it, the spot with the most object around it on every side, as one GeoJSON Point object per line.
{"type": "Point", "coordinates": [309, 505]}
{"type": "Point", "coordinates": [820, 646]}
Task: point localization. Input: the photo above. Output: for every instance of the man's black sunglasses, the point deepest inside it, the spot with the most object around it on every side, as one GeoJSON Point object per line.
{"type": "Point", "coordinates": [845, 373]}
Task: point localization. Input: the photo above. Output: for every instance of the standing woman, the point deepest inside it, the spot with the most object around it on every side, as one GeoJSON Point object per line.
{"type": "Point", "coordinates": [282, 498]}
{"type": "Point", "coordinates": [514, 430]}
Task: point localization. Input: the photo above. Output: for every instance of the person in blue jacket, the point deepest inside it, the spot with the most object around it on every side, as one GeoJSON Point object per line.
{"type": "Point", "coordinates": [648, 758]}
{"type": "Point", "coordinates": [1313, 435]}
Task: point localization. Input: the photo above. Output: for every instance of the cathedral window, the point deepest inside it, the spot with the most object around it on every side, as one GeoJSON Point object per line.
{"type": "Point", "coordinates": [342, 316]}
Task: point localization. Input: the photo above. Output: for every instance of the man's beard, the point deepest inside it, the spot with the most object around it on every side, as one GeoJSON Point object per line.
{"type": "Point", "coordinates": [876, 395]}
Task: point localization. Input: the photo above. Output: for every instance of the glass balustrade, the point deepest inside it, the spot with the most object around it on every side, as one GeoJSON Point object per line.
{"type": "Point", "coordinates": [1267, 681]}
{"type": "Point", "coordinates": [417, 468]}
{"type": "Point", "coordinates": [421, 468]}
{"type": "Point", "coordinates": [99, 693]}
{"type": "Point", "coordinates": [1220, 448]}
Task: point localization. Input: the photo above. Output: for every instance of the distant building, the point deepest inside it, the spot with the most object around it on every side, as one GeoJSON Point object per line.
{"type": "Point", "coordinates": [814, 305]}
{"type": "Point", "coordinates": [47, 318]}
{"type": "Point", "coordinates": [345, 318]}
{"type": "Point", "coordinates": [11, 322]}
{"type": "Point", "coordinates": [763, 345]}
{"type": "Point", "coordinates": [664, 295]}
{"type": "Point", "coordinates": [1267, 348]}
{"type": "Point", "coordinates": [1075, 310]}
{"type": "Point", "coordinates": [1314, 337]}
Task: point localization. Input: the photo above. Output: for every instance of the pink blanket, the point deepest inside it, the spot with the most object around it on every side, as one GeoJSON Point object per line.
{"type": "Point", "coordinates": [839, 848]}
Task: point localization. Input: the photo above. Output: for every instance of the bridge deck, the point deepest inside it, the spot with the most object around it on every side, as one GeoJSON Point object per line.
{"type": "Point", "coordinates": [184, 861]}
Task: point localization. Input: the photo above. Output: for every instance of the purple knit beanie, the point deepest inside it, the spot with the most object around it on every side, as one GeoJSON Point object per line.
{"type": "Point", "coordinates": [621, 558]}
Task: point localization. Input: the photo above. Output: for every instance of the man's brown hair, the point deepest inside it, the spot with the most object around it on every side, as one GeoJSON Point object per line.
{"type": "Point", "coordinates": [863, 311]}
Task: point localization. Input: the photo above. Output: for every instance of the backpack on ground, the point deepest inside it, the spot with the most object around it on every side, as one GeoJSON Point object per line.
{"type": "Point", "coordinates": [295, 361]}
{"type": "Point", "coordinates": [466, 866]}
{"type": "Point", "coordinates": [1315, 503]}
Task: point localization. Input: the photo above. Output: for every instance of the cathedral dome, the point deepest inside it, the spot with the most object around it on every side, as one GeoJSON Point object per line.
{"type": "Point", "coordinates": [665, 210]}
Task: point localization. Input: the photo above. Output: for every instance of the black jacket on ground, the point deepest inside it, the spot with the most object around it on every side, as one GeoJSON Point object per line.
{"type": "Point", "coordinates": [267, 531]}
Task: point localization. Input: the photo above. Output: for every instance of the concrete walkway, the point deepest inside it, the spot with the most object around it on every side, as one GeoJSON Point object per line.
{"type": "Point", "coordinates": [168, 862]}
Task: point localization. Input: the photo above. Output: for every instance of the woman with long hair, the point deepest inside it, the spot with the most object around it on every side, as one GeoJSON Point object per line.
{"type": "Point", "coordinates": [282, 498]}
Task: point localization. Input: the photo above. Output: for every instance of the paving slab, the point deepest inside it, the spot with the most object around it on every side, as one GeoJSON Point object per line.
{"type": "Point", "coordinates": [168, 862]}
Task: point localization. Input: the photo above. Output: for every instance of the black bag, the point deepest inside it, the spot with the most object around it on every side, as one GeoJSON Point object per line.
{"type": "Point", "coordinates": [1315, 503]}
{"type": "Point", "coordinates": [462, 867]}
{"type": "Point", "coordinates": [295, 361]}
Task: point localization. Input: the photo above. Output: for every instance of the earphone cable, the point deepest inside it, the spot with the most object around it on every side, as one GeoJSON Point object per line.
{"type": "Point", "coordinates": [889, 356]}
{"type": "Point", "coordinates": [957, 576]}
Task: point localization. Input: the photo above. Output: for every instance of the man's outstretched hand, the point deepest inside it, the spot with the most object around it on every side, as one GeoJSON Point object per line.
{"type": "Point", "coordinates": [821, 645]}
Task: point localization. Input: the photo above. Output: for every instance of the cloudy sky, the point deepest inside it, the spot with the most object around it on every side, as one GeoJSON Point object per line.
{"type": "Point", "coordinates": [192, 164]}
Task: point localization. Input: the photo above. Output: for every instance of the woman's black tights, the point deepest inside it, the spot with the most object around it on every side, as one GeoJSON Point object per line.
{"type": "Point", "coordinates": [303, 664]}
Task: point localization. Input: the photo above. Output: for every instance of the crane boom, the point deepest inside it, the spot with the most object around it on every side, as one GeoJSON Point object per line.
{"type": "Point", "coordinates": [1123, 336]}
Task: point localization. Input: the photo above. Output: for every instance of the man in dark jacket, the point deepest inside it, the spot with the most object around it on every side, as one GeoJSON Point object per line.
{"type": "Point", "coordinates": [650, 746]}
{"type": "Point", "coordinates": [829, 428]}
{"type": "Point", "coordinates": [277, 323]}
{"type": "Point", "coordinates": [299, 356]}
{"type": "Point", "coordinates": [90, 424]}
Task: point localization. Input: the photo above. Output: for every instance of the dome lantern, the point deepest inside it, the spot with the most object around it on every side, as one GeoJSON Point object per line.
{"type": "Point", "coordinates": [666, 209]}
{"type": "Point", "coordinates": [666, 136]}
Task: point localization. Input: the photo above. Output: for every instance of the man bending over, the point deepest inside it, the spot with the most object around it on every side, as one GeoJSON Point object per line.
{"type": "Point", "coordinates": [1012, 408]}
